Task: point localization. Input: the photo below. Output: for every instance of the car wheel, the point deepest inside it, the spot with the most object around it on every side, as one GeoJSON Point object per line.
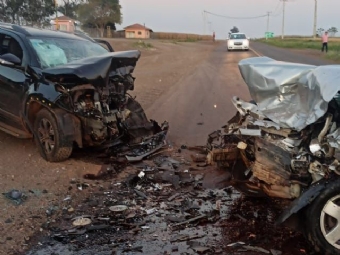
{"type": "Point", "coordinates": [51, 143]}
{"type": "Point", "coordinates": [323, 220]}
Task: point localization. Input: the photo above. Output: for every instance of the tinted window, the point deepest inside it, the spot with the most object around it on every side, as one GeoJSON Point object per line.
{"type": "Point", "coordinates": [238, 36]}
{"type": "Point", "coordinates": [59, 51]}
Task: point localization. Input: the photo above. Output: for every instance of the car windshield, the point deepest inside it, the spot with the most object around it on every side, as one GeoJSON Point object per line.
{"type": "Point", "coordinates": [60, 51]}
{"type": "Point", "coordinates": [237, 36]}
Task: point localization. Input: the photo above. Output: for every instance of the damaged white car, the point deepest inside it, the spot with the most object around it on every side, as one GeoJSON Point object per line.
{"type": "Point", "coordinates": [286, 143]}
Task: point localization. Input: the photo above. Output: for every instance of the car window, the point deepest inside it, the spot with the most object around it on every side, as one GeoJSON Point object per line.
{"type": "Point", "coordinates": [10, 45]}
{"type": "Point", "coordinates": [237, 36]}
{"type": "Point", "coordinates": [59, 51]}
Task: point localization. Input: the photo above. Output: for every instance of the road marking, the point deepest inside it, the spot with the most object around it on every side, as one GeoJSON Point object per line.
{"type": "Point", "coordinates": [256, 53]}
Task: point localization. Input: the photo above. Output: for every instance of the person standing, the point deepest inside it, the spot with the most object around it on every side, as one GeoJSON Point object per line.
{"type": "Point", "coordinates": [325, 42]}
{"type": "Point", "coordinates": [214, 36]}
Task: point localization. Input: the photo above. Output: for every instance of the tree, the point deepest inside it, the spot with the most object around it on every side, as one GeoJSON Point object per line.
{"type": "Point", "coordinates": [319, 32]}
{"type": "Point", "coordinates": [332, 31]}
{"type": "Point", "coordinates": [70, 8]}
{"type": "Point", "coordinates": [99, 13]}
{"type": "Point", "coordinates": [35, 12]}
{"type": "Point", "coordinates": [234, 30]}
{"type": "Point", "coordinates": [11, 10]}
{"type": "Point", "coordinates": [32, 12]}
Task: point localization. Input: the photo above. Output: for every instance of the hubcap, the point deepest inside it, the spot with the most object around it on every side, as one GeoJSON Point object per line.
{"type": "Point", "coordinates": [330, 221]}
{"type": "Point", "coordinates": [46, 135]}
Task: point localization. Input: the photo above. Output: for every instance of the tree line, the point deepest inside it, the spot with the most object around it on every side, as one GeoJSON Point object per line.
{"type": "Point", "coordinates": [91, 13]}
{"type": "Point", "coordinates": [331, 31]}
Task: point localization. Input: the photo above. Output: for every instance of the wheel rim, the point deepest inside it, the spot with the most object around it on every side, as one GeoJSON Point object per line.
{"type": "Point", "coordinates": [330, 221]}
{"type": "Point", "coordinates": [46, 135]}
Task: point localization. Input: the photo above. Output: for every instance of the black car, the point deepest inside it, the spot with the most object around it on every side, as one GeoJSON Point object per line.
{"type": "Point", "coordinates": [67, 90]}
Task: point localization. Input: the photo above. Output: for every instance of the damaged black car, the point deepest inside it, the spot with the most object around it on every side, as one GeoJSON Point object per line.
{"type": "Point", "coordinates": [285, 143]}
{"type": "Point", "coordinates": [68, 90]}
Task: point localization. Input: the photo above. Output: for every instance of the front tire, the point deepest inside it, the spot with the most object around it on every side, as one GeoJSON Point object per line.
{"type": "Point", "coordinates": [50, 141]}
{"type": "Point", "coordinates": [323, 220]}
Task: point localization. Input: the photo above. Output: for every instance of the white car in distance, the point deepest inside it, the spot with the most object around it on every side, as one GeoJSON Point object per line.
{"type": "Point", "coordinates": [238, 41]}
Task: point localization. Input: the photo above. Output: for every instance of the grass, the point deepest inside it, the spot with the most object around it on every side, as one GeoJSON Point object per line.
{"type": "Point", "coordinates": [142, 44]}
{"type": "Point", "coordinates": [307, 43]}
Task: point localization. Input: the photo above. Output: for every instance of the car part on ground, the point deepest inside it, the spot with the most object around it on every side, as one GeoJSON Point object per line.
{"type": "Point", "coordinates": [286, 145]}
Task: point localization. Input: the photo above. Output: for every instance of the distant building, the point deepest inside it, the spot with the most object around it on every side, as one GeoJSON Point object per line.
{"type": "Point", "coordinates": [63, 23]}
{"type": "Point", "coordinates": [137, 31]}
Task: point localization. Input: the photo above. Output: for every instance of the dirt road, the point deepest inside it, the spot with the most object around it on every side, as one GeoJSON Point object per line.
{"type": "Point", "coordinates": [188, 84]}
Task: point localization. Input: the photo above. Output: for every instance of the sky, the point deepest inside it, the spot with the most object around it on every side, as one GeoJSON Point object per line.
{"type": "Point", "coordinates": [186, 16]}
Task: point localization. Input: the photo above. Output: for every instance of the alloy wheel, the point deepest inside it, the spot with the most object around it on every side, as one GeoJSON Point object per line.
{"type": "Point", "coordinates": [330, 221]}
{"type": "Point", "coordinates": [46, 135]}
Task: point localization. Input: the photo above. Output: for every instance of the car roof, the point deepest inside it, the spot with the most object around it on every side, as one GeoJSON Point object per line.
{"type": "Point", "coordinates": [39, 32]}
{"type": "Point", "coordinates": [238, 33]}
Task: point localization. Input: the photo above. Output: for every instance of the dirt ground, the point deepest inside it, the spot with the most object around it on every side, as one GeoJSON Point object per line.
{"type": "Point", "coordinates": [173, 82]}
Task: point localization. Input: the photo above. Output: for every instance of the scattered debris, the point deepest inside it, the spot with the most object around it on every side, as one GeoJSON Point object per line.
{"type": "Point", "coordinates": [82, 221]}
{"type": "Point", "coordinates": [16, 196]}
{"type": "Point", "coordinates": [118, 208]}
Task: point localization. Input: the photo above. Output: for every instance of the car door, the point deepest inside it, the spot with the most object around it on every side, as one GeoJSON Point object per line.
{"type": "Point", "coordinates": [13, 85]}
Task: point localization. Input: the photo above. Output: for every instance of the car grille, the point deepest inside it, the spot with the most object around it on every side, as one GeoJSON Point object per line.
{"type": "Point", "coordinates": [238, 43]}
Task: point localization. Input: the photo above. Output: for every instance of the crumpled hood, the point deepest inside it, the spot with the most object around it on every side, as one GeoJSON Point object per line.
{"type": "Point", "coordinates": [95, 70]}
{"type": "Point", "coordinates": [291, 95]}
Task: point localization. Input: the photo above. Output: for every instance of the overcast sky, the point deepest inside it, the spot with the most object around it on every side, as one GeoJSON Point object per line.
{"type": "Point", "coordinates": [186, 16]}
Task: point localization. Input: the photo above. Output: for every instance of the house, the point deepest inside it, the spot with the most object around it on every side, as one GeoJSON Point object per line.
{"type": "Point", "coordinates": [137, 31]}
{"type": "Point", "coordinates": [63, 23]}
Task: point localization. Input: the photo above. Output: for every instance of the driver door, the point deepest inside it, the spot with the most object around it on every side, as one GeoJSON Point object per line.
{"type": "Point", "coordinates": [12, 85]}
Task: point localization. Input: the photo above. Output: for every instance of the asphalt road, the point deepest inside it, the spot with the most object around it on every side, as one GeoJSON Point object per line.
{"type": "Point", "coordinates": [200, 102]}
{"type": "Point", "coordinates": [288, 55]}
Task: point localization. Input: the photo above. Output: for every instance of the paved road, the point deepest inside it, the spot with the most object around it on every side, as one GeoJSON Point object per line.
{"type": "Point", "coordinates": [287, 55]}
{"type": "Point", "coordinates": [201, 102]}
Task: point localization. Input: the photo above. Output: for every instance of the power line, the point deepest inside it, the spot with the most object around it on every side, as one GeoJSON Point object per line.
{"type": "Point", "coordinates": [229, 17]}
{"type": "Point", "coordinates": [277, 6]}
{"type": "Point", "coordinates": [279, 11]}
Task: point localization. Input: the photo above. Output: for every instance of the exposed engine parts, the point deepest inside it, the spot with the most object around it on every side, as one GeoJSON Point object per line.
{"type": "Point", "coordinates": [268, 160]}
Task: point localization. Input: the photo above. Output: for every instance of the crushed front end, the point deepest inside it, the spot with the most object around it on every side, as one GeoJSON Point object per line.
{"type": "Point", "coordinates": [95, 90]}
{"type": "Point", "coordinates": [288, 139]}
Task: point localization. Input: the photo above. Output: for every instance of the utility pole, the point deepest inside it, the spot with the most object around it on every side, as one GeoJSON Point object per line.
{"type": "Point", "coordinates": [56, 15]}
{"type": "Point", "coordinates": [315, 18]}
{"type": "Point", "coordinates": [283, 19]}
{"type": "Point", "coordinates": [204, 21]}
{"type": "Point", "coordinates": [268, 14]}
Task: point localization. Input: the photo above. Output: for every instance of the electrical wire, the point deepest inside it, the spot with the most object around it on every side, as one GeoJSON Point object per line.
{"type": "Point", "coordinates": [229, 17]}
{"type": "Point", "coordinates": [279, 13]}
{"type": "Point", "coordinates": [277, 6]}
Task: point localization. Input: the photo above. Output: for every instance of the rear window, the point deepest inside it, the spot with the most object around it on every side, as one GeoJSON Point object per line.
{"type": "Point", "coordinates": [238, 36]}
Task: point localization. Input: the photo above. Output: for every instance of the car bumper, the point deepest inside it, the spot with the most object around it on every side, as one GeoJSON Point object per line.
{"type": "Point", "coordinates": [236, 47]}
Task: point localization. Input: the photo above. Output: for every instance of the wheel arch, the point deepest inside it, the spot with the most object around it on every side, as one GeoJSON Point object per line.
{"type": "Point", "coordinates": [305, 199]}
{"type": "Point", "coordinates": [67, 123]}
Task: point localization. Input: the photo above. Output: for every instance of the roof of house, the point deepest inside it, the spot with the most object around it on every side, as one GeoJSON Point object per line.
{"type": "Point", "coordinates": [64, 18]}
{"type": "Point", "coordinates": [137, 27]}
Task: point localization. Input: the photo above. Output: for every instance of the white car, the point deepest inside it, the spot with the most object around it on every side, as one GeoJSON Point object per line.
{"type": "Point", "coordinates": [238, 41]}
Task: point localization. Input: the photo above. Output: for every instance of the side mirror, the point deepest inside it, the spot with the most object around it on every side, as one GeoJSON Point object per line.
{"type": "Point", "coordinates": [9, 59]}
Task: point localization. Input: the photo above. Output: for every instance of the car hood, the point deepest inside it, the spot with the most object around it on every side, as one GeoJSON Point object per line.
{"type": "Point", "coordinates": [94, 70]}
{"type": "Point", "coordinates": [237, 40]}
{"type": "Point", "coordinates": [291, 95]}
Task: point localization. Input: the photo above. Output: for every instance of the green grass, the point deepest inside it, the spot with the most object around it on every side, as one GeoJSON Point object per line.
{"type": "Point", "coordinates": [307, 43]}
{"type": "Point", "coordinates": [142, 44]}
